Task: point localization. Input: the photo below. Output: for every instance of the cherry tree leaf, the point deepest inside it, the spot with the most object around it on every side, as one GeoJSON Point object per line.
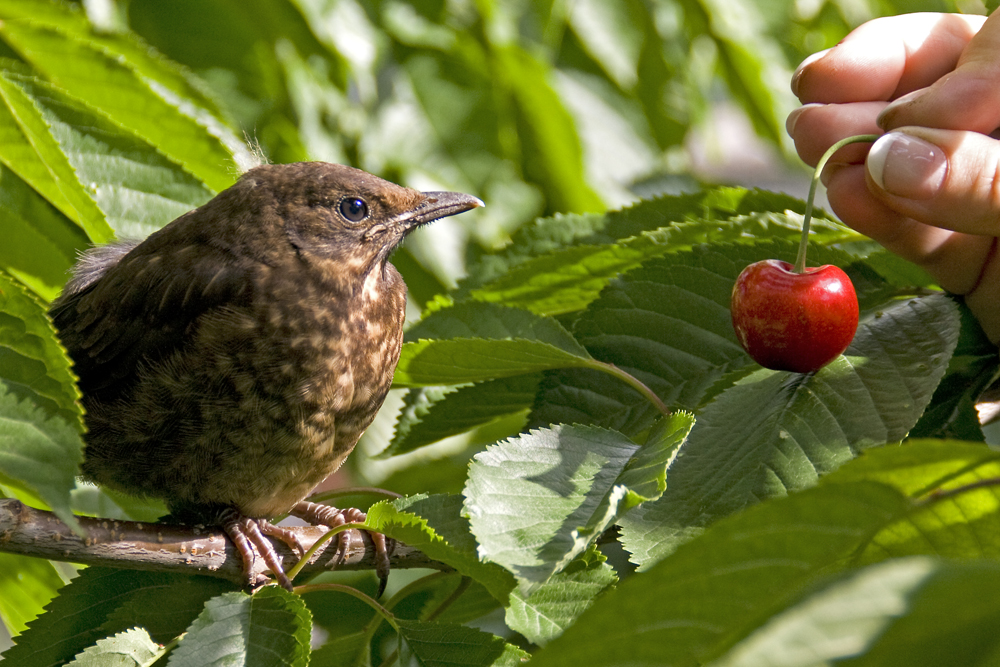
{"type": "Point", "coordinates": [537, 501]}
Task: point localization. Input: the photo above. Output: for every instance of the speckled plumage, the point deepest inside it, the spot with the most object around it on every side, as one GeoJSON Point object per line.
{"type": "Point", "coordinates": [233, 359]}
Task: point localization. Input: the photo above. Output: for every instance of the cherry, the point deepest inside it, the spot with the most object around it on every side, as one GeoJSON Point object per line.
{"type": "Point", "coordinates": [792, 321]}
{"type": "Point", "coordinates": [790, 318]}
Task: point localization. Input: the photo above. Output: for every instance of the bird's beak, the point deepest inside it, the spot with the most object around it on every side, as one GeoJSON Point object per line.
{"type": "Point", "coordinates": [437, 205]}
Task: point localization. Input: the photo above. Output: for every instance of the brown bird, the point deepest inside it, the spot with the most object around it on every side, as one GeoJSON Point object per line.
{"type": "Point", "coordinates": [230, 362]}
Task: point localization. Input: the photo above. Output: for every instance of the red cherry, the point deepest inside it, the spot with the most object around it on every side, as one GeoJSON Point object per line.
{"type": "Point", "coordinates": [791, 321]}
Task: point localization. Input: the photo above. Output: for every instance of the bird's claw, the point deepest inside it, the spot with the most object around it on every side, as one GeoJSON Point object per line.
{"type": "Point", "coordinates": [248, 534]}
{"type": "Point", "coordinates": [324, 515]}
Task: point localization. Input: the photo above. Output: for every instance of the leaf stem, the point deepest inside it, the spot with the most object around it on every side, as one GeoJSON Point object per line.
{"type": "Point", "coordinates": [323, 539]}
{"type": "Point", "coordinates": [463, 585]}
{"type": "Point", "coordinates": [631, 381]}
{"type": "Point", "coordinates": [939, 495]}
{"type": "Point", "coordinates": [341, 588]}
{"type": "Point", "coordinates": [800, 259]}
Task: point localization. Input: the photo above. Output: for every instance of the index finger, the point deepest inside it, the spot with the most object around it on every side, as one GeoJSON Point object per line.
{"type": "Point", "coordinates": [886, 58]}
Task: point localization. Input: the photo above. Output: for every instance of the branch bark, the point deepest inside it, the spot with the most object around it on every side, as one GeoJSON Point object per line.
{"type": "Point", "coordinates": [185, 549]}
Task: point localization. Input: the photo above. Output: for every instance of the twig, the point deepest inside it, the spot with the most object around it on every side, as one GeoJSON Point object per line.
{"type": "Point", "coordinates": [176, 548]}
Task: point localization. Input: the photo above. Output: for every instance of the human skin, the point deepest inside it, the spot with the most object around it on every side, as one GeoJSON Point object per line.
{"type": "Point", "coordinates": [929, 190]}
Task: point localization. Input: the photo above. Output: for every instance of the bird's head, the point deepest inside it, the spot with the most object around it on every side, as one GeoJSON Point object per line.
{"type": "Point", "coordinates": [338, 212]}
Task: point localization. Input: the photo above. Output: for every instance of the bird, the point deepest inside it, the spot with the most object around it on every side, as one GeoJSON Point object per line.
{"type": "Point", "coordinates": [230, 361]}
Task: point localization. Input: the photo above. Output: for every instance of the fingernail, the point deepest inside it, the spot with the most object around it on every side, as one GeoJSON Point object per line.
{"type": "Point", "coordinates": [802, 66]}
{"type": "Point", "coordinates": [794, 118]}
{"type": "Point", "coordinates": [906, 166]}
{"type": "Point", "coordinates": [896, 105]}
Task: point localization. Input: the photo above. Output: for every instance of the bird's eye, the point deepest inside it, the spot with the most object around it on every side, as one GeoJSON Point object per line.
{"type": "Point", "coordinates": [354, 209]}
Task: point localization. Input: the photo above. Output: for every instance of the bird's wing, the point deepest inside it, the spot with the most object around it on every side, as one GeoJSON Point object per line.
{"type": "Point", "coordinates": [126, 310]}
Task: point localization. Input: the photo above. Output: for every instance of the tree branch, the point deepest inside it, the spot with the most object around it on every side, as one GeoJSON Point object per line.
{"type": "Point", "coordinates": [183, 549]}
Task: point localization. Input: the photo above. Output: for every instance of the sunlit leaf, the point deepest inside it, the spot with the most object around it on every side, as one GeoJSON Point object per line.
{"type": "Point", "coordinates": [537, 501]}
{"type": "Point", "coordinates": [273, 627]}
{"type": "Point", "coordinates": [132, 648]}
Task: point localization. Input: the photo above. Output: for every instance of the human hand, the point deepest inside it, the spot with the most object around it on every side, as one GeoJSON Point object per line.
{"type": "Point", "coordinates": [929, 189]}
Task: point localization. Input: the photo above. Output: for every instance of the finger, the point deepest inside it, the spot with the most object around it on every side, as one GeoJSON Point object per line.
{"type": "Point", "coordinates": [816, 127]}
{"type": "Point", "coordinates": [967, 98]}
{"type": "Point", "coordinates": [985, 296]}
{"type": "Point", "coordinates": [886, 58]}
{"type": "Point", "coordinates": [946, 178]}
{"type": "Point", "coordinates": [955, 260]}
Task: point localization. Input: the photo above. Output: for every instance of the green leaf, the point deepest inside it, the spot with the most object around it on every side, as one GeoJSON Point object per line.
{"type": "Point", "coordinates": [553, 154]}
{"type": "Point", "coordinates": [132, 648]}
{"type": "Point", "coordinates": [40, 243]}
{"type": "Point", "coordinates": [921, 467]}
{"type": "Point", "coordinates": [165, 605]}
{"type": "Point", "coordinates": [957, 516]}
{"type": "Point", "coordinates": [537, 501]}
{"type": "Point", "coordinates": [777, 432]}
{"type": "Point", "coordinates": [913, 611]}
{"type": "Point", "coordinates": [434, 524]}
{"type": "Point", "coordinates": [567, 279]}
{"type": "Point", "coordinates": [143, 603]}
{"type": "Point", "coordinates": [973, 368]}
{"type": "Point", "coordinates": [342, 651]}
{"type": "Point", "coordinates": [33, 362]}
{"type": "Point", "coordinates": [137, 189]}
{"type": "Point", "coordinates": [26, 586]}
{"type": "Point", "coordinates": [952, 619]}
{"type": "Point", "coordinates": [841, 620]}
{"type": "Point", "coordinates": [270, 627]}
{"type": "Point", "coordinates": [461, 113]}
{"type": "Point", "coordinates": [150, 64]}
{"type": "Point", "coordinates": [41, 420]}
{"type": "Point", "coordinates": [113, 85]}
{"type": "Point", "coordinates": [612, 33]}
{"type": "Point", "coordinates": [717, 214]}
{"type": "Point", "coordinates": [29, 149]}
{"type": "Point", "coordinates": [39, 451]}
{"type": "Point", "coordinates": [556, 604]}
{"type": "Point", "coordinates": [441, 645]}
{"type": "Point", "coordinates": [749, 63]}
{"type": "Point", "coordinates": [714, 589]}
{"type": "Point", "coordinates": [434, 413]}
{"type": "Point", "coordinates": [93, 500]}
{"type": "Point", "coordinates": [898, 271]}
{"type": "Point", "coordinates": [474, 603]}
{"type": "Point", "coordinates": [614, 132]}
{"type": "Point", "coordinates": [665, 104]}
{"type": "Point", "coordinates": [63, 15]}
{"type": "Point", "coordinates": [483, 320]}
{"type": "Point", "coordinates": [472, 342]}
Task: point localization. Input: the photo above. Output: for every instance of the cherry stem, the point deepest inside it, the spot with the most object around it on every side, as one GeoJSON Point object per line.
{"type": "Point", "coordinates": [800, 259]}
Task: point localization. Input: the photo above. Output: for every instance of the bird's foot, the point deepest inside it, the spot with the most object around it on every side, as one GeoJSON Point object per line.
{"type": "Point", "coordinates": [324, 515]}
{"type": "Point", "coordinates": [248, 534]}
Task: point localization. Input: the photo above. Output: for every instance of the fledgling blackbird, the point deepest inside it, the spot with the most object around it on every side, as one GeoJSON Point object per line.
{"type": "Point", "coordinates": [230, 362]}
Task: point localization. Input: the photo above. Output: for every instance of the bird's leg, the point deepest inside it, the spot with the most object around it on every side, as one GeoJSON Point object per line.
{"type": "Point", "coordinates": [324, 515]}
{"type": "Point", "coordinates": [247, 533]}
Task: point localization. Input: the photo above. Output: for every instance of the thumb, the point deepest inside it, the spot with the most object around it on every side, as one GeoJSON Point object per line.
{"type": "Point", "coordinates": [945, 178]}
